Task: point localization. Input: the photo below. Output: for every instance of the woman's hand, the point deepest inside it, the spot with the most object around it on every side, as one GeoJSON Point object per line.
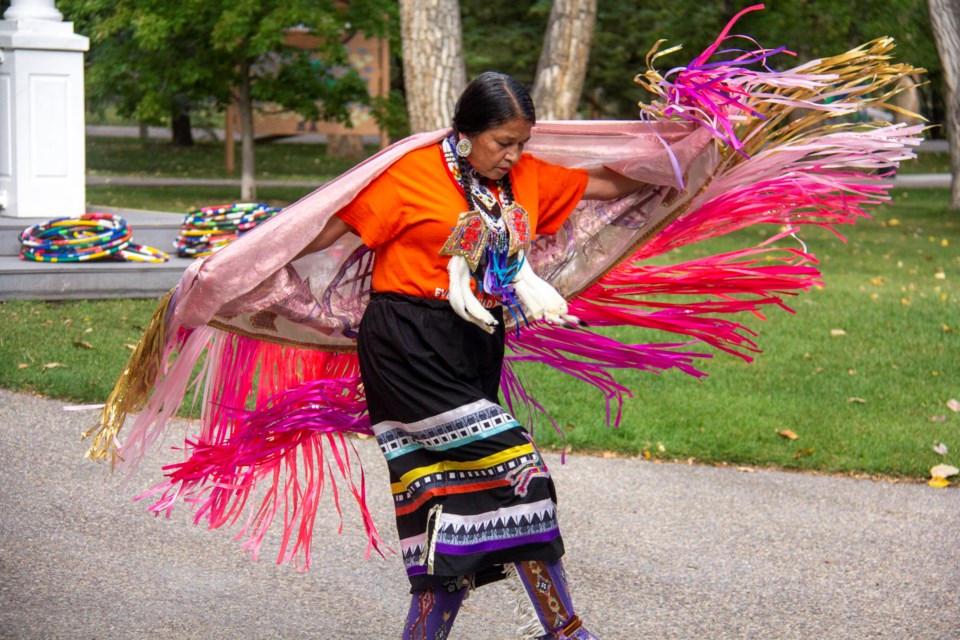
{"type": "Point", "coordinates": [539, 299]}
{"type": "Point", "coordinates": [461, 297]}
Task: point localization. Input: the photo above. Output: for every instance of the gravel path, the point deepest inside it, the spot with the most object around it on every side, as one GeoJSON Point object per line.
{"type": "Point", "coordinates": [654, 551]}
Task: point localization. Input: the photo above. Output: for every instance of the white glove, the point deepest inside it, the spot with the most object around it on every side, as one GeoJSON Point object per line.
{"type": "Point", "coordinates": [540, 300]}
{"type": "Point", "coordinates": [461, 297]}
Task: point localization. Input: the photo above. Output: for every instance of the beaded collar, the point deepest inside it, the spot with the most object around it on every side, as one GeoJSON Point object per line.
{"type": "Point", "coordinates": [498, 226]}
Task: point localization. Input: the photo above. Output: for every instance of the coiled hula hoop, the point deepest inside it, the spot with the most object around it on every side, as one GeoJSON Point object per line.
{"type": "Point", "coordinates": [205, 230]}
{"type": "Point", "coordinates": [92, 236]}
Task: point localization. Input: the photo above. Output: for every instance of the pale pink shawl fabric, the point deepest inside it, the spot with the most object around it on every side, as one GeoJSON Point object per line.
{"type": "Point", "coordinates": [254, 286]}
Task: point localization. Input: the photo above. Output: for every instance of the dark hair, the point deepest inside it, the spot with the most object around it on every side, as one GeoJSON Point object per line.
{"type": "Point", "coordinates": [491, 100]}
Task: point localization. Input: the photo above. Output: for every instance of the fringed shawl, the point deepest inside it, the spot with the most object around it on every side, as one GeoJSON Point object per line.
{"type": "Point", "coordinates": [730, 143]}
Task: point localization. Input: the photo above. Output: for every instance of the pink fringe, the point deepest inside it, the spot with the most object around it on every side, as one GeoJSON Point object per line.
{"type": "Point", "coordinates": [280, 449]}
{"type": "Point", "coordinates": [280, 444]}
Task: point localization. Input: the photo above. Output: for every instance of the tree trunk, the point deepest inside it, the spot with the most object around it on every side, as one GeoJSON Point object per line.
{"type": "Point", "coordinates": [945, 20]}
{"type": "Point", "coordinates": [345, 146]}
{"type": "Point", "coordinates": [563, 60]}
{"type": "Point", "coordinates": [181, 130]}
{"type": "Point", "coordinates": [248, 187]}
{"type": "Point", "coordinates": [433, 68]}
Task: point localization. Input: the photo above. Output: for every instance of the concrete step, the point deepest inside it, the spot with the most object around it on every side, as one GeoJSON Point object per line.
{"type": "Point", "coordinates": [27, 280]}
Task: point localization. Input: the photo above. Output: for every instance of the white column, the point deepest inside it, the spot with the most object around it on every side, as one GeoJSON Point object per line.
{"type": "Point", "coordinates": [41, 113]}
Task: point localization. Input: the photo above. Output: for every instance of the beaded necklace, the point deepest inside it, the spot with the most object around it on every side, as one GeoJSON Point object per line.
{"type": "Point", "coordinates": [491, 233]}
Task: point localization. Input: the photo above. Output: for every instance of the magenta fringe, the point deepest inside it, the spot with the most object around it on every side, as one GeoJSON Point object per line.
{"type": "Point", "coordinates": [280, 444]}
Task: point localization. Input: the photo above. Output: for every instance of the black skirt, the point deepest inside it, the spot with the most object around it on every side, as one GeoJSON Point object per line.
{"type": "Point", "coordinates": [470, 489]}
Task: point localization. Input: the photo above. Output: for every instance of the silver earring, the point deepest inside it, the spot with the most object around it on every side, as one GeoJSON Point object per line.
{"type": "Point", "coordinates": [464, 147]}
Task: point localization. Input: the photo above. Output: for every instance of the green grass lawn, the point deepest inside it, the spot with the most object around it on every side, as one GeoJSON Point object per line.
{"type": "Point", "coordinates": [928, 162]}
{"type": "Point", "coordinates": [183, 199]}
{"type": "Point", "coordinates": [862, 373]}
{"type": "Point", "coordinates": [274, 161]}
{"type": "Point", "coordinates": [152, 158]}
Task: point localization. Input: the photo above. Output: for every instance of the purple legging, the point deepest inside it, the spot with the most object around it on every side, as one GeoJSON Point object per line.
{"type": "Point", "coordinates": [432, 612]}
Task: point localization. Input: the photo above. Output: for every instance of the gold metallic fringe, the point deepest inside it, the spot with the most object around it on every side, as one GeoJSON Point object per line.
{"type": "Point", "coordinates": [865, 76]}
{"type": "Point", "coordinates": [132, 389]}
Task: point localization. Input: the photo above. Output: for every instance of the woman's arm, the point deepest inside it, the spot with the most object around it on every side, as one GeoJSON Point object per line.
{"type": "Point", "coordinates": [331, 232]}
{"type": "Point", "coordinates": [606, 184]}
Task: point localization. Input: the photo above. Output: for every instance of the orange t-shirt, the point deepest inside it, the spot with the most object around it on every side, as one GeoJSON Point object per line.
{"type": "Point", "coordinates": [407, 213]}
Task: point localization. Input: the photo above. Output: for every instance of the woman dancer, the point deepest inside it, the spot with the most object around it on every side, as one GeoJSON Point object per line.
{"type": "Point", "coordinates": [471, 492]}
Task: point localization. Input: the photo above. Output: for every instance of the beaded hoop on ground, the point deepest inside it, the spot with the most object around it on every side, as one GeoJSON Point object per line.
{"type": "Point", "coordinates": [92, 236]}
{"type": "Point", "coordinates": [205, 230]}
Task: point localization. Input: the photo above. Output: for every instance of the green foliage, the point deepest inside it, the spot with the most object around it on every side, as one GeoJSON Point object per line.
{"type": "Point", "coordinates": [153, 58]}
{"type": "Point", "coordinates": [626, 31]}
{"type": "Point", "coordinates": [811, 29]}
{"type": "Point", "coordinates": [504, 36]}
{"type": "Point", "coordinates": [390, 112]}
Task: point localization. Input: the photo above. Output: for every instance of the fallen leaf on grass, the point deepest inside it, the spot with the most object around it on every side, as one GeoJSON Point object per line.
{"type": "Point", "coordinates": [88, 330]}
{"type": "Point", "coordinates": [801, 453]}
{"type": "Point", "coordinates": [23, 365]}
{"type": "Point", "coordinates": [938, 418]}
{"type": "Point", "coordinates": [940, 448]}
{"type": "Point", "coordinates": [953, 404]}
{"type": "Point", "coordinates": [130, 346]}
{"type": "Point", "coordinates": [837, 332]}
{"type": "Point", "coordinates": [943, 471]}
{"type": "Point", "coordinates": [856, 401]}
{"type": "Point", "coordinates": [939, 475]}
{"type": "Point", "coordinates": [51, 365]}
{"type": "Point", "coordinates": [83, 344]}
{"type": "Point", "coordinates": [788, 434]}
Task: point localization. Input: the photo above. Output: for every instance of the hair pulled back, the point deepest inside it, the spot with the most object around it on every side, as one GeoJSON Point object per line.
{"type": "Point", "coordinates": [491, 100]}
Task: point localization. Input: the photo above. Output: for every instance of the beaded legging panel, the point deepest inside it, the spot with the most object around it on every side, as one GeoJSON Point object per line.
{"type": "Point", "coordinates": [432, 613]}
{"type": "Point", "coordinates": [546, 586]}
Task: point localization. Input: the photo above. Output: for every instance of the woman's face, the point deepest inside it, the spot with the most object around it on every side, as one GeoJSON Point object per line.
{"type": "Point", "coordinates": [496, 150]}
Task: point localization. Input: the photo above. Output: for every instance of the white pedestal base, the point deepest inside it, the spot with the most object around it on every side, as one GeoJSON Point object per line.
{"type": "Point", "coordinates": [42, 151]}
